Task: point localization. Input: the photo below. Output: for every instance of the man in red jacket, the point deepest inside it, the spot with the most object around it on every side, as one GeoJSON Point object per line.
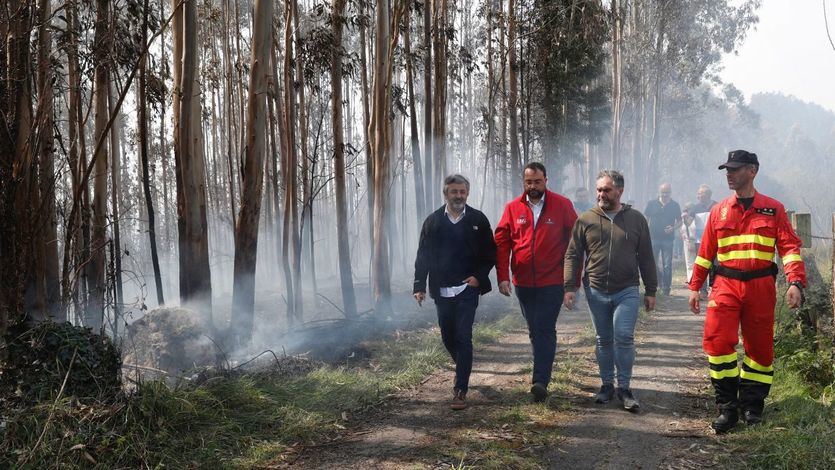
{"type": "Point", "coordinates": [533, 235]}
{"type": "Point", "coordinates": [744, 232]}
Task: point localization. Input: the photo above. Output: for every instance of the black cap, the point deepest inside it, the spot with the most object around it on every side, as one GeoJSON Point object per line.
{"type": "Point", "coordinates": [739, 158]}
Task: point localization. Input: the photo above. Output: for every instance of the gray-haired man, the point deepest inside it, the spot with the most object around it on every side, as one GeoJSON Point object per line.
{"type": "Point", "coordinates": [457, 251]}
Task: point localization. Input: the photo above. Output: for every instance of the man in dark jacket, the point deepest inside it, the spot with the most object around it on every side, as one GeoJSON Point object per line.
{"type": "Point", "coordinates": [664, 217]}
{"type": "Point", "coordinates": [457, 251]}
{"type": "Point", "coordinates": [533, 234]}
{"type": "Point", "coordinates": [614, 239]}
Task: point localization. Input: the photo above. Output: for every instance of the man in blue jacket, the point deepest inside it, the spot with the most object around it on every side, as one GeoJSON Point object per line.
{"type": "Point", "coordinates": [457, 251]}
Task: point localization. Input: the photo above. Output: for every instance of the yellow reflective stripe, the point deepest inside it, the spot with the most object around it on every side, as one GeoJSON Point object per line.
{"type": "Point", "coordinates": [703, 262]}
{"type": "Point", "coordinates": [736, 239]}
{"type": "Point", "coordinates": [746, 254]}
{"type": "Point", "coordinates": [753, 364]}
{"type": "Point", "coordinates": [721, 374]}
{"type": "Point", "coordinates": [793, 257]}
{"type": "Point", "coordinates": [722, 359]}
{"type": "Point", "coordinates": [762, 378]}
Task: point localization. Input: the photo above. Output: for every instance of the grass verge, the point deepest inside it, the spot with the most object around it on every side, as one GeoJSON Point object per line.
{"type": "Point", "coordinates": [231, 420]}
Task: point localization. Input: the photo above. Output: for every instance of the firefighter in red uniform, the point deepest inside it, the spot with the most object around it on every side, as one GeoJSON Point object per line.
{"type": "Point", "coordinates": [743, 232]}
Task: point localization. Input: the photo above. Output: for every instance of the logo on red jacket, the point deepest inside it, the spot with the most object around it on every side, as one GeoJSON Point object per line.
{"type": "Point", "coordinates": [521, 221]}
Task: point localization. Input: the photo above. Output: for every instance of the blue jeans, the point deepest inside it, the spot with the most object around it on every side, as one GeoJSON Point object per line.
{"type": "Point", "coordinates": [541, 307]}
{"type": "Point", "coordinates": [614, 316]}
{"type": "Point", "coordinates": [455, 317]}
{"type": "Point", "coordinates": [664, 263]}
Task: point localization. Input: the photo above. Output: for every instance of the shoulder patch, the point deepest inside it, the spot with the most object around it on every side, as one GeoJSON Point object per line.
{"type": "Point", "coordinates": [767, 211]}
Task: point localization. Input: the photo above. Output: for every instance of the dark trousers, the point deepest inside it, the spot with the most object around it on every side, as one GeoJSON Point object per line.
{"type": "Point", "coordinates": [541, 307]}
{"type": "Point", "coordinates": [664, 263]}
{"type": "Point", "coordinates": [455, 317]}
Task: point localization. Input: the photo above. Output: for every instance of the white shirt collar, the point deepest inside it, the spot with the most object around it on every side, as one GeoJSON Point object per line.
{"type": "Point", "coordinates": [451, 217]}
{"type": "Point", "coordinates": [541, 200]}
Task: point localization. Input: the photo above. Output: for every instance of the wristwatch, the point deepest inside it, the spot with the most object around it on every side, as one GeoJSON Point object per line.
{"type": "Point", "coordinates": [797, 284]}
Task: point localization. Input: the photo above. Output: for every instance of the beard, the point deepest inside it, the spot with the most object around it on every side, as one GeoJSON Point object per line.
{"type": "Point", "coordinates": [606, 204]}
{"type": "Point", "coordinates": [458, 204]}
{"type": "Point", "coordinates": [534, 193]}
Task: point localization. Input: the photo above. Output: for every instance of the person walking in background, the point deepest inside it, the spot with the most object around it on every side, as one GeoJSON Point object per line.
{"type": "Point", "coordinates": [531, 239]}
{"type": "Point", "coordinates": [582, 201]}
{"type": "Point", "coordinates": [687, 231]}
{"type": "Point", "coordinates": [456, 250]}
{"type": "Point", "coordinates": [664, 217]}
{"type": "Point", "coordinates": [743, 233]}
{"type": "Point", "coordinates": [700, 212]}
{"type": "Point", "coordinates": [615, 241]}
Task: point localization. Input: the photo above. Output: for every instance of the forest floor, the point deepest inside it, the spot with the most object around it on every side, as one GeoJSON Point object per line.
{"type": "Point", "coordinates": [503, 429]}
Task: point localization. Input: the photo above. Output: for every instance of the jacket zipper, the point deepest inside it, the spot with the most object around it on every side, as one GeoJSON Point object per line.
{"type": "Point", "coordinates": [611, 243]}
{"type": "Point", "coordinates": [533, 239]}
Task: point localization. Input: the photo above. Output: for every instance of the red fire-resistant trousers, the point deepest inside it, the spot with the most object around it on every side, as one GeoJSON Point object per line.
{"type": "Point", "coordinates": [749, 304]}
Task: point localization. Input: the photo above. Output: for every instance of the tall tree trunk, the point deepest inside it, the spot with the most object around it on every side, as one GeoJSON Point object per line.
{"type": "Point", "coordinates": [306, 167]}
{"type": "Point", "coordinates": [420, 200]}
{"type": "Point", "coordinates": [617, 38]}
{"type": "Point", "coordinates": [290, 235]}
{"type": "Point", "coordinates": [15, 125]}
{"type": "Point", "coordinates": [512, 99]}
{"type": "Point", "coordinates": [46, 162]}
{"type": "Point", "coordinates": [195, 274]}
{"type": "Point", "coordinates": [439, 99]}
{"type": "Point", "coordinates": [366, 123]}
{"type": "Point", "coordinates": [430, 185]}
{"type": "Point", "coordinates": [143, 155]}
{"type": "Point", "coordinates": [94, 315]}
{"type": "Point", "coordinates": [385, 41]}
{"type": "Point", "coordinates": [246, 235]}
{"type": "Point", "coordinates": [77, 241]}
{"type": "Point", "coordinates": [654, 144]}
{"type": "Point", "coordinates": [346, 278]}
{"type": "Point", "coordinates": [116, 188]}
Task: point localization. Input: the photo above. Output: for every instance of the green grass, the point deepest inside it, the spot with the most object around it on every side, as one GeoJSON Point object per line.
{"type": "Point", "coordinates": [231, 420]}
{"type": "Point", "coordinates": [799, 431]}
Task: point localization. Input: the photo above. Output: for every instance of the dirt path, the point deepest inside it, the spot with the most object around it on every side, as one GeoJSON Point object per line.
{"type": "Point", "coordinates": [419, 431]}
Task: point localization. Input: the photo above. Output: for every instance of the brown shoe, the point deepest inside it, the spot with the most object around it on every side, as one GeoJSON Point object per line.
{"type": "Point", "coordinates": [458, 401]}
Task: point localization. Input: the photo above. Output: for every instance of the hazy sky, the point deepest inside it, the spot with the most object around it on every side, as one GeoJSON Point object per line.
{"type": "Point", "coordinates": [788, 52]}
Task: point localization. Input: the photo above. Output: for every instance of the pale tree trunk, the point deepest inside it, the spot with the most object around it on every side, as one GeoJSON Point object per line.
{"type": "Point", "coordinates": [512, 98]}
{"type": "Point", "coordinates": [346, 277]}
{"type": "Point", "coordinates": [246, 234]}
{"type": "Point", "coordinates": [617, 37]}
{"type": "Point", "coordinates": [491, 108]}
{"type": "Point", "coordinates": [231, 148]}
{"type": "Point", "coordinates": [501, 157]}
{"type": "Point", "coordinates": [366, 123]}
{"type": "Point", "coordinates": [439, 98]}
{"type": "Point", "coordinates": [195, 274]}
{"type": "Point", "coordinates": [143, 155]}
{"type": "Point", "coordinates": [290, 232]}
{"type": "Point", "coordinates": [49, 232]}
{"type": "Point", "coordinates": [94, 315]}
{"type": "Point", "coordinates": [307, 168]}
{"type": "Point", "coordinates": [417, 170]}
{"type": "Point", "coordinates": [430, 185]}
{"type": "Point", "coordinates": [385, 41]}
{"type": "Point", "coordinates": [654, 153]}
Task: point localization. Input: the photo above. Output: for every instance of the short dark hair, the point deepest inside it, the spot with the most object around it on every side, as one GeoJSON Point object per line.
{"type": "Point", "coordinates": [615, 175]}
{"type": "Point", "coordinates": [456, 179]}
{"type": "Point", "coordinates": [536, 166]}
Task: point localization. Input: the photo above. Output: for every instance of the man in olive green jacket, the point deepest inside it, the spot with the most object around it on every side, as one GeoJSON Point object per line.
{"type": "Point", "coordinates": [615, 240]}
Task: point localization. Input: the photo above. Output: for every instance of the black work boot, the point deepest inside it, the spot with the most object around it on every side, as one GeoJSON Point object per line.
{"type": "Point", "coordinates": [727, 419]}
{"type": "Point", "coordinates": [539, 392]}
{"type": "Point", "coordinates": [753, 417]}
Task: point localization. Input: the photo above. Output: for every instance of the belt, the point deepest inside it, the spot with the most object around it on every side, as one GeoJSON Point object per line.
{"type": "Point", "coordinates": [746, 275]}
